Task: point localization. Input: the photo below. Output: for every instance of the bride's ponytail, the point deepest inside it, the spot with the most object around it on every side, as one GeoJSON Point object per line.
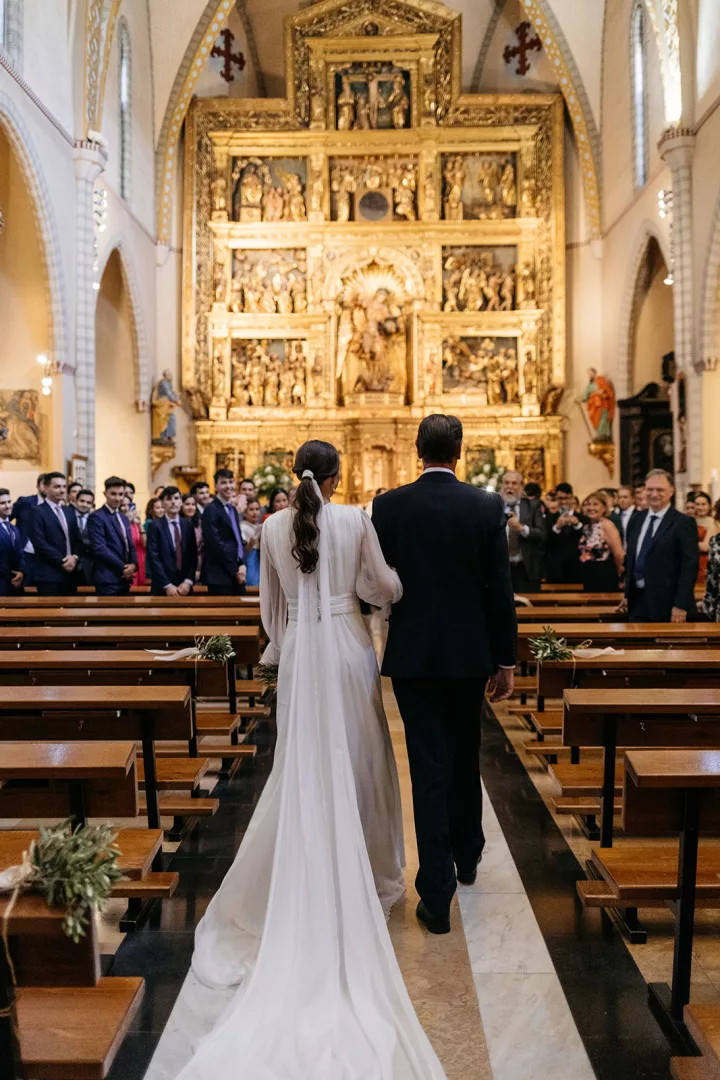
{"type": "Point", "coordinates": [315, 463]}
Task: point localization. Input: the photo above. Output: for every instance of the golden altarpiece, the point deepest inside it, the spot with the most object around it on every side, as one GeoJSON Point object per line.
{"type": "Point", "coordinates": [373, 248]}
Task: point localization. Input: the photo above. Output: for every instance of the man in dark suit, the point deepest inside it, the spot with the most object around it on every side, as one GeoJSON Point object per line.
{"type": "Point", "coordinates": [563, 532]}
{"type": "Point", "coordinates": [662, 557]}
{"type": "Point", "coordinates": [12, 560]}
{"type": "Point", "coordinates": [624, 512]}
{"type": "Point", "coordinates": [201, 492]}
{"type": "Point", "coordinates": [223, 567]}
{"type": "Point", "coordinates": [525, 533]}
{"type": "Point", "coordinates": [172, 548]}
{"type": "Point", "coordinates": [113, 552]}
{"type": "Point", "coordinates": [55, 540]}
{"type": "Point", "coordinates": [22, 512]}
{"type": "Point", "coordinates": [81, 509]}
{"type": "Point", "coordinates": [453, 630]}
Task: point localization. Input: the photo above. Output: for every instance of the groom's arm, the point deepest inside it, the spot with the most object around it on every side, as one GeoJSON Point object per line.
{"type": "Point", "coordinates": [500, 597]}
{"type": "Point", "coordinates": [382, 528]}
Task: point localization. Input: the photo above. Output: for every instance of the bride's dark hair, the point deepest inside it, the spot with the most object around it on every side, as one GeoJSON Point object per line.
{"type": "Point", "coordinates": [323, 461]}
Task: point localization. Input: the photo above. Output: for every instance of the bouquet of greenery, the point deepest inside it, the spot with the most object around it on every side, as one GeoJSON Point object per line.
{"type": "Point", "coordinates": [72, 868]}
{"type": "Point", "coordinates": [270, 476]}
{"type": "Point", "coordinates": [268, 674]}
{"type": "Point", "coordinates": [217, 647]}
{"type": "Point", "coordinates": [486, 476]}
{"type": "Point", "coordinates": [548, 646]}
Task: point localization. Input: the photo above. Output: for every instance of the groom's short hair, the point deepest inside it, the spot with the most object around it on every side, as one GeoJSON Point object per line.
{"type": "Point", "coordinates": [439, 438]}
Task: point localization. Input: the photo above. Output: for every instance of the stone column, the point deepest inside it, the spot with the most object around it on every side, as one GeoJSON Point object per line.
{"type": "Point", "coordinates": [90, 161]}
{"type": "Point", "coordinates": [676, 147]}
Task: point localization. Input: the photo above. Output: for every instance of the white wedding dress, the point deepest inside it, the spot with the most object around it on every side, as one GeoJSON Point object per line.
{"type": "Point", "coordinates": [298, 925]}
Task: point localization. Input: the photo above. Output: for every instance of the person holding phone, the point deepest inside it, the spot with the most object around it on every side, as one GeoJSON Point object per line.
{"type": "Point", "coordinates": [564, 530]}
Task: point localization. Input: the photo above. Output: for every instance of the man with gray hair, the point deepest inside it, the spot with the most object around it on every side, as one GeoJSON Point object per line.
{"type": "Point", "coordinates": [525, 533]}
{"type": "Point", "coordinates": [661, 566]}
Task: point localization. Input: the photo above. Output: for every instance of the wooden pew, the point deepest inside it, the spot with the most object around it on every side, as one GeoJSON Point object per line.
{"type": "Point", "coordinates": [84, 713]}
{"type": "Point", "coordinates": [671, 792]}
{"type": "Point", "coordinates": [622, 635]}
{"type": "Point", "coordinates": [567, 613]}
{"type": "Point", "coordinates": [610, 719]}
{"type": "Point", "coordinates": [179, 615]}
{"type": "Point", "coordinates": [245, 641]}
{"type": "Point", "coordinates": [96, 779]}
{"type": "Point", "coordinates": [89, 600]}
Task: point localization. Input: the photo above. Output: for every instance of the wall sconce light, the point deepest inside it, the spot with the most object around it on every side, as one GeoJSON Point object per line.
{"type": "Point", "coordinates": [665, 210]}
{"type": "Point", "coordinates": [46, 380]}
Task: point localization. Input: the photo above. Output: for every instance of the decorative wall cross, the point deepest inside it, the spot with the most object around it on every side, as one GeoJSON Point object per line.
{"type": "Point", "coordinates": [524, 46]}
{"type": "Point", "coordinates": [225, 53]}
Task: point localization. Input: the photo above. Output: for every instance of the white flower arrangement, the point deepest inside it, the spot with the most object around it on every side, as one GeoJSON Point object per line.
{"type": "Point", "coordinates": [487, 476]}
{"type": "Point", "coordinates": [270, 476]}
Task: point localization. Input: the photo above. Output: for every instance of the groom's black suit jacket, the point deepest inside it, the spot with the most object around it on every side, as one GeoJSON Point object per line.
{"type": "Point", "coordinates": [448, 543]}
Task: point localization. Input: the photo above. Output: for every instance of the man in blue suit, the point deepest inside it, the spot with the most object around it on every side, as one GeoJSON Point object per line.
{"type": "Point", "coordinates": [55, 540]}
{"type": "Point", "coordinates": [12, 560]}
{"type": "Point", "coordinates": [223, 569]}
{"type": "Point", "coordinates": [113, 552]}
{"type": "Point", "coordinates": [172, 548]}
{"type": "Point", "coordinates": [22, 513]}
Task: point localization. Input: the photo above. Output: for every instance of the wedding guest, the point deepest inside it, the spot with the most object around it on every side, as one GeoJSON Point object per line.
{"type": "Point", "coordinates": [620, 516]}
{"type": "Point", "coordinates": [251, 531]}
{"type": "Point", "coordinates": [191, 512]}
{"type": "Point", "coordinates": [72, 492]}
{"type": "Point", "coordinates": [82, 508]}
{"type": "Point", "coordinates": [172, 549]}
{"type": "Point", "coordinates": [12, 560]}
{"type": "Point", "coordinates": [550, 502]}
{"type": "Point", "coordinates": [611, 494]}
{"type": "Point", "coordinates": [525, 533]}
{"type": "Point", "coordinates": [55, 540]}
{"type": "Point", "coordinates": [247, 488]}
{"type": "Point", "coordinates": [690, 504]}
{"type": "Point", "coordinates": [662, 558]}
{"type": "Point", "coordinates": [201, 492]}
{"type": "Point", "coordinates": [707, 528]}
{"type": "Point", "coordinates": [130, 494]}
{"type": "Point", "coordinates": [139, 538]}
{"type": "Point", "coordinates": [114, 555]}
{"type": "Point", "coordinates": [640, 497]}
{"type": "Point", "coordinates": [711, 600]}
{"type": "Point", "coordinates": [224, 558]}
{"type": "Point", "coordinates": [564, 528]}
{"type": "Point", "coordinates": [533, 491]}
{"type": "Point", "coordinates": [22, 512]}
{"type": "Point", "coordinates": [278, 501]}
{"type": "Point", "coordinates": [600, 548]}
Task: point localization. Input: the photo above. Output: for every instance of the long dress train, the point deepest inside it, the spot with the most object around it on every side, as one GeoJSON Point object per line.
{"type": "Point", "coordinates": [298, 924]}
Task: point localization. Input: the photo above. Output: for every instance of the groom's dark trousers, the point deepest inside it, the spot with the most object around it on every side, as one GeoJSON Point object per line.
{"type": "Point", "coordinates": [453, 627]}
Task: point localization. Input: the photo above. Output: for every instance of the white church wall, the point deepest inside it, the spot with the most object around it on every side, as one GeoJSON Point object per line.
{"type": "Point", "coordinates": [582, 27]}
{"type": "Point", "coordinates": [707, 67]}
{"type": "Point", "coordinates": [706, 228]}
{"type": "Point", "coordinates": [47, 60]}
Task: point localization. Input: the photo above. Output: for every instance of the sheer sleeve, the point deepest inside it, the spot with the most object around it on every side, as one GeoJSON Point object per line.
{"type": "Point", "coordinates": [273, 606]}
{"type": "Point", "coordinates": [376, 583]}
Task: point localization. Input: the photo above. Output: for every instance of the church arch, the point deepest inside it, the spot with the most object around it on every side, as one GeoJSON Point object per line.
{"type": "Point", "coordinates": [142, 379]}
{"type": "Point", "coordinates": [216, 14]}
{"type": "Point", "coordinates": [122, 430]}
{"type": "Point", "coordinates": [22, 145]}
{"type": "Point", "coordinates": [631, 295]}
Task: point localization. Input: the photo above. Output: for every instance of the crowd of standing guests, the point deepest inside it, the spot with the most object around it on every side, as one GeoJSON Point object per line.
{"type": "Point", "coordinates": [627, 539]}
{"type": "Point", "coordinates": [57, 540]}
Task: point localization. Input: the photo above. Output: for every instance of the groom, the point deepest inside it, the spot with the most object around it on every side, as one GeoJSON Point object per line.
{"type": "Point", "coordinates": [452, 634]}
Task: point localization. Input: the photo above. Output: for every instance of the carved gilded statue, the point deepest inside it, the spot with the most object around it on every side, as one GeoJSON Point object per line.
{"type": "Point", "coordinates": [345, 106]}
{"type": "Point", "coordinates": [508, 191]}
{"type": "Point", "coordinates": [374, 358]}
{"type": "Point", "coordinates": [398, 103]}
{"type": "Point", "coordinates": [509, 375]}
{"type": "Point", "coordinates": [362, 113]}
{"type": "Point", "coordinates": [405, 194]}
{"type": "Point", "coordinates": [295, 199]}
{"type": "Point", "coordinates": [273, 203]}
{"type": "Point", "coordinates": [489, 175]}
{"type": "Point", "coordinates": [218, 197]}
{"type": "Point", "coordinates": [507, 291]}
{"type": "Point", "coordinates": [526, 283]}
{"type": "Point", "coordinates": [164, 401]}
{"type": "Point", "coordinates": [454, 176]}
{"type": "Point", "coordinates": [219, 377]}
{"type": "Point", "coordinates": [530, 373]}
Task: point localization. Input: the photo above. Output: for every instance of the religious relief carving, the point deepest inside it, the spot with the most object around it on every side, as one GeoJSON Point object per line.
{"type": "Point", "coordinates": [271, 374]}
{"type": "Point", "coordinates": [530, 382]}
{"type": "Point", "coordinates": [372, 97]}
{"type": "Point", "coordinates": [269, 282]}
{"type": "Point", "coordinates": [372, 333]}
{"type": "Point", "coordinates": [270, 190]}
{"type": "Point", "coordinates": [528, 187]}
{"type": "Point", "coordinates": [219, 372]}
{"type": "Point", "coordinates": [479, 186]}
{"type": "Point", "coordinates": [486, 367]}
{"type": "Point", "coordinates": [531, 463]}
{"type": "Point", "coordinates": [479, 279]}
{"type": "Point", "coordinates": [374, 189]}
{"type": "Point", "coordinates": [526, 286]}
{"type": "Point", "coordinates": [218, 197]}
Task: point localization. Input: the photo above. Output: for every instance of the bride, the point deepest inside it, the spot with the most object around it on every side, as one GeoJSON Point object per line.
{"type": "Point", "coordinates": [298, 925]}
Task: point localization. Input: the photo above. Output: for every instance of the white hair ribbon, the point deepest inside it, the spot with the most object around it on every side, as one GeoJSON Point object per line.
{"type": "Point", "coordinates": [308, 475]}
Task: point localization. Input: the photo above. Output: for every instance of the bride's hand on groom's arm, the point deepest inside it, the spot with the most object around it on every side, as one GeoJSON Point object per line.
{"type": "Point", "coordinates": [501, 685]}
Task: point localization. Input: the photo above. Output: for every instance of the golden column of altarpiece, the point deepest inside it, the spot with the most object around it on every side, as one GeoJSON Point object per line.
{"type": "Point", "coordinates": [373, 248]}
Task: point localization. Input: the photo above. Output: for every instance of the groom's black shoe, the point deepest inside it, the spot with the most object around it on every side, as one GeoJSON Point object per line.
{"type": "Point", "coordinates": [468, 877]}
{"type": "Point", "coordinates": [436, 924]}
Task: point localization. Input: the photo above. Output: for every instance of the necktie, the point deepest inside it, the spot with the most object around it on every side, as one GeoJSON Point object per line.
{"type": "Point", "coordinates": [643, 552]}
{"type": "Point", "coordinates": [63, 525]}
{"type": "Point", "coordinates": [233, 522]}
{"type": "Point", "coordinates": [121, 527]}
{"type": "Point", "coordinates": [178, 543]}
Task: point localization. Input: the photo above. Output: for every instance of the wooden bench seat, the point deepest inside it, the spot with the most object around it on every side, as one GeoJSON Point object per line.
{"type": "Point", "coordinates": [582, 805]}
{"type": "Point", "coordinates": [176, 774]}
{"type": "Point", "coordinates": [691, 1068]}
{"type": "Point", "coordinates": [251, 688]}
{"type": "Point", "coordinates": [703, 1023]}
{"type": "Point", "coordinates": [547, 723]}
{"type": "Point", "coordinates": [157, 885]}
{"type": "Point", "coordinates": [138, 846]}
{"type": "Point", "coordinates": [598, 894]}
{"type": "Point", "coordinates": [585, 778]}
{"type": "Point", "coordinates": [176, 805]}
{"type": "Point", "coordinates": [638, 872]}
{"type": "Point", "coordinates": [211, 722]}
{"type": "Point", "coordinates": [75, 1034]}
